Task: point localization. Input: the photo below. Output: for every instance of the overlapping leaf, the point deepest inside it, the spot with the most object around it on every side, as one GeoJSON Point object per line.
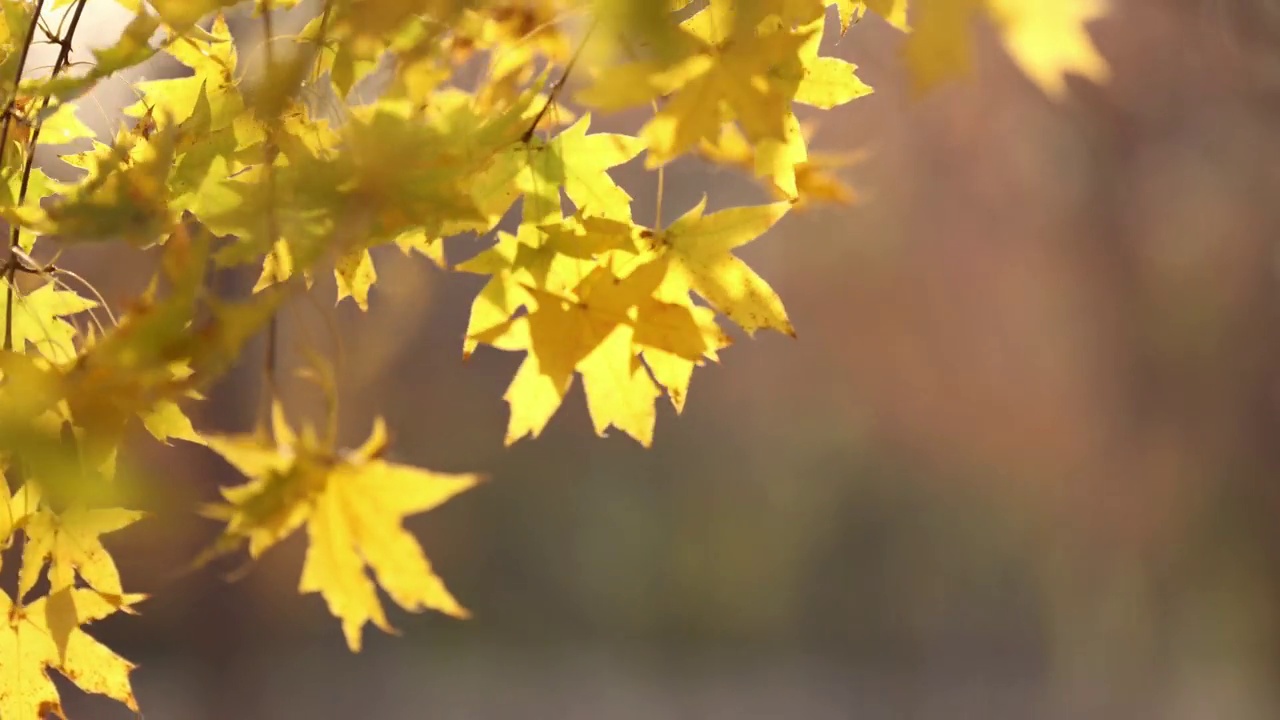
{"type": "Point", "coordinates": [46, 633]}
{"type": "Point", "coordinates": [30, 648]}
{"type": "Point", "coordinates": [611, 302]}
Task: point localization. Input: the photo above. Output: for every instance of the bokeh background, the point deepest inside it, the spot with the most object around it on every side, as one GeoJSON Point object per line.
{"type": "Point", "coordinates": [1021, 461]}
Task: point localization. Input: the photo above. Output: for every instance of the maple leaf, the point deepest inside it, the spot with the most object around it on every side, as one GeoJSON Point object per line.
{"type": "Point", "coordinates": [827, 82]}
{"type": "Point", "coordinates": [70, 542]}
{"type": "Point", "coordinates": [732, 71]}
{"type": "Point", "coordinates": [401, 174]}
{"type": "Point", "coordinates": [124, 195]}
{"type": "Point", "coordinates": [572, 160]}
{"type": "Point", "coordinates": [555, 256]}
{"type": "Point", "coordinates": [39, 320]}
{"type": "Point", "coordinates": [353, 504]}
{"type": "Point", "coordinates": [355, 275]}
{"type": "Point", "coordinates": [30, 647]}
{"type": "Point", "coordinates": [600, 326]}
{"type": "Point", "coordinates": [699, 249]}
{"type": "Point", "coordinates": [166, 421]}
{"type": "Point", "coordinates": [610, 301]}
{"type": "Point", "coordinates": [213, 64]}
{"type": "Point", "coordinates": [1046, 39]}
{"type": "Point", "coordinates": [589, 332]}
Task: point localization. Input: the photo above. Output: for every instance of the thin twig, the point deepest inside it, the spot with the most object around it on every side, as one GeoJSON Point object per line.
{"type": "Point", "coordinates": [322, 39]}
{"type": "Point", "coordinates": [12, 262]}
{"type": "Point", "coordinates": [555, 89]}
{"type": "Point", "coordinates": [15, 231]}
{"type": "Point", "coordinates": [500, 53]}
{"type": "Point", "coordinates": [22, 62]}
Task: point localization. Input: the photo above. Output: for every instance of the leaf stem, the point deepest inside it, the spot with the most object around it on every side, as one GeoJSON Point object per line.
{"type": "Point", "coordinates": [15, 231]}
{"type": "Point", "coordinates": [662, 180]}
{"type": "Point", "coordinates": [559, 84]}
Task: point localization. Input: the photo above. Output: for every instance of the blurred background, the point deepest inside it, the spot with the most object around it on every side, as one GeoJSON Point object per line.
{"type": "Point", "coordinates": [1021, 461]}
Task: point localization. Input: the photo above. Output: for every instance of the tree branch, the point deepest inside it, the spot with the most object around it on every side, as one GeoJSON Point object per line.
{"type": "Point", "coordinates": [15, 232]}
{"type": "Point", "coordinates": [22, 63]}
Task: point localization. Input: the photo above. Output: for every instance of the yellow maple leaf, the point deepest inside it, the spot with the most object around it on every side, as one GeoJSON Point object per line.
{"type": "Point", "coordinates": [355, 274]}
{"type": "Point", "coordinates": [213, 57]}
{"type": "Point", "coordinates": [573, 160]}
{"type": "Point", "coordinates": [353, 504]}
{"type": "Point", "coordinates": [555, 257]}
{"type": "Point", "coordinates": [612, 302]}
{"type": "Point", "coordinates": [699, 249]}
{"type": "Point", "coordinates": [827, 82]}
{"type": "Point", "coordinates": [46, 634]}
{"type": "Point", "coordinates": [124, 196]}
{"type": "Point", "coordinates": [39, 320]}
{"type": "Point", "coordinates": [589, 331]}
{"type": "Point", "coordinates": [1047, 39]}
{"type": "Point", "coordinates": [503, 295]}
{"type": "Point", "coordinates": [166, 421]}
{"type": "Point", "coordinates": [627, 337]}
{"type": "Point", "coordinates": [70, 542]}
{"type": "Point", "coordinates": [733, 70]}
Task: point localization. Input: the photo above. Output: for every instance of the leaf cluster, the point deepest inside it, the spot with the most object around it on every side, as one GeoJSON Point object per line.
{"type": "Point", "coordinates": [389, 124]}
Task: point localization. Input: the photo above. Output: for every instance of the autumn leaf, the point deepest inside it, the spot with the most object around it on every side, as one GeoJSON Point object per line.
{"type": "Point", "coordinates": [124, 196]}
{"type": "Point", "coordinates": [732, 72]}
{"type": "Point", "coordinates": [605, 328]}
{"type": "Point", "coordinates": [1047, 39]}
{"type": "Point", "coordinates": [166, 421]}
{"type": "Point", "coordinates": [419, 123]}
{"type": "Point", "coordinates": [826, 82]}
{"type": "Point", "coordinates": [353, 504]}
{"type": "Point", "coordinates": [70, 542]}
{"type": "Point", "coordinates": [29, 649]}
{"type": "Point", "coordinates": [699, 249]}
{"type": "Point", "coordinates": [355, 275]}
{"type": "Point", "coordinates": [213, 60]}
{"type": "Point", "coordinates": [554, 257]}
{"type": "Point", "coordinates": [40, 320]}
{"type": "Point", "coordinates": [589, 332]}
{"type": "Point", "coordinates": [573, 160]}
